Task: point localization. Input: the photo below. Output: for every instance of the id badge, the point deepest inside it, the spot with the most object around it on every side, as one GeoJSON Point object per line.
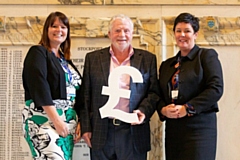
{"type": "Point", "coordinates": [174, 94]}
{"type": "Point", "coordinates": [71, 92]}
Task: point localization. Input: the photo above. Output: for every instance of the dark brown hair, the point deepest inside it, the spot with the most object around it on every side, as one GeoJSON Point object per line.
{"type": "Point", "coordinates": [187, 18]}
{"type": "Point", "coordinates": [65, 46]}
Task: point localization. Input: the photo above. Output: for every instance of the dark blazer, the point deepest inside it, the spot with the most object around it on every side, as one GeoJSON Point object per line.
{"type": "Point", "coordinates": [43, 77]}
{"type": "Point", "coordinates": [200, 80]}
{"type": "Point", "coordinates": [144, 96]}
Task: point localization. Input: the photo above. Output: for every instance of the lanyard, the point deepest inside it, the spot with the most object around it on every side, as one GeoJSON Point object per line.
{"type": "Point", "coordinates": [175, 81]}
{"type": "Point", "coordinates": [65, 67]}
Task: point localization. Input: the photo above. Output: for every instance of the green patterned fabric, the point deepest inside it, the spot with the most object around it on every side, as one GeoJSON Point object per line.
{"type": "Point", "coordinates": [39, 132]}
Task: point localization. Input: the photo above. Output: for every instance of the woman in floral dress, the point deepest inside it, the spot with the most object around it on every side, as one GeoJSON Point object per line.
{"type": "Point", "coordinates": [51, 82]}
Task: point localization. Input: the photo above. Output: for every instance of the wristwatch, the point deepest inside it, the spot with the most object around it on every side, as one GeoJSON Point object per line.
{"type": "Point", "coordinates": [190, 109]}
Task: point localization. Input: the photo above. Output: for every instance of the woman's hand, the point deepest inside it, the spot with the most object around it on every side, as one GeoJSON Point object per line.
{"type": "Point", "coordinates": [182, 111]}
{"type": "Point", "coordinates": [174, 111]}
{"type": "Point", "coordinates": [60, 126]}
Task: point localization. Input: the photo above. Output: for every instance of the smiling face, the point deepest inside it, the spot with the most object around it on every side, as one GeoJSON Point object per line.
{"type": "Point", "coordinates": [121, 35]}
{"type": "Point", "coordinates": [185, 37]}
{"type": "Point", "coordinates": [57, 33]}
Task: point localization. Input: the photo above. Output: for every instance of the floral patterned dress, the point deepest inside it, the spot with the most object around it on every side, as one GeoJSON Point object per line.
{"type": "Point", "coordinates": [44, 142]}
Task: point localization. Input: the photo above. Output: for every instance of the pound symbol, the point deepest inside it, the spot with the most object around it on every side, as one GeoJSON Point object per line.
{"type": "Point", "coordinates": [115, 93]}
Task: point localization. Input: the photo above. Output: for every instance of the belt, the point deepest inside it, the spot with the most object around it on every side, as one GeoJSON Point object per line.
{"type": "Point", "coordinates": [116, 122]}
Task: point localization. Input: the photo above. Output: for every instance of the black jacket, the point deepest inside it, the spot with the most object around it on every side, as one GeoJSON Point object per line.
{"type": "Point", "coordinates": [43, 77]}
{"type": "Point", "coordinates": [200, 80]}
{"type": "Point", "coordinates": [144, 96]}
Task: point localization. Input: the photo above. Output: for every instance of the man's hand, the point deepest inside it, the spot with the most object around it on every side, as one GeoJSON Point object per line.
{"type": "Point", "coordinates": [141, 117]}
{"type": "Point", "coordinates": [87, 138]}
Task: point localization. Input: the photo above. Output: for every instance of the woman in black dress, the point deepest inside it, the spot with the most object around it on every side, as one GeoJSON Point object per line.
{"type": "Point", "coordinates": [191, 83]}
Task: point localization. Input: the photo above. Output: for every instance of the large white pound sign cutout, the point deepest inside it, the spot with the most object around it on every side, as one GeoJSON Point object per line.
{"type": "Point", "coordinates": [115, 93]}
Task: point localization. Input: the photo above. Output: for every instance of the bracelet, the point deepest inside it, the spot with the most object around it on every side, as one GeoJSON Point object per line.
{"type": "Point", "coordinates": [190, 109]}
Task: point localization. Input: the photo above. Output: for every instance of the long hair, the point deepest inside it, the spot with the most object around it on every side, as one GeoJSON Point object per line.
{"type": "Point", "coordinates": [65, 46]}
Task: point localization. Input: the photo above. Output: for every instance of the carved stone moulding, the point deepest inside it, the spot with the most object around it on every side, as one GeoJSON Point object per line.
{"type": "Point", "coordinates": [27, 30]}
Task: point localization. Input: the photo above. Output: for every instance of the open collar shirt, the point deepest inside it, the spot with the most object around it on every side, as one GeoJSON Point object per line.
{"type": "Point", "coordinates": [124, 80]}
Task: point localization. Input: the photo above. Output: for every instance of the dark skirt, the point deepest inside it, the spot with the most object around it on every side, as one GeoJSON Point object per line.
{"type": "Point", "coordinates": [191, 138]}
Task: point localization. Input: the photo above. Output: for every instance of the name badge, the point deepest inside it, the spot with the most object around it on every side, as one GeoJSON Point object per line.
{"type": "Point", "coordinates": [71, 92]}
{"type": "Point", "coordinates": [174, 94]}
